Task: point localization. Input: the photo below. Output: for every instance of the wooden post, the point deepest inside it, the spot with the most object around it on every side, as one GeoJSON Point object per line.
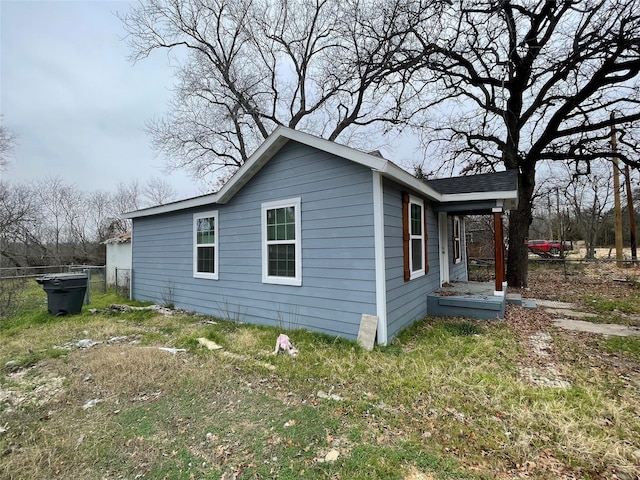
{"type": "Point", "coordinates": [499, 249]}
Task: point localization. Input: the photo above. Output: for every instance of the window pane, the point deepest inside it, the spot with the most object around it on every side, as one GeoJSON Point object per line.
{"type": "Point", "coordinates": [281, 224]}
{"type": "Point", "coordinates": [205, 230]}
{"type": "Point", "coordinates": [416, 219]}
{"type": "Point", "coordinates": [271, 232]}
{"type": "Point", "coordinates": [282, 260]}
{"type": "Point", "coordinates": [291, 231]}
{"type": "Point", "coordinates": [205, 261]}
{"type": "Point", "coordinates": [416, 255]}
{"type": "Point", "coordinates": [290, 214]}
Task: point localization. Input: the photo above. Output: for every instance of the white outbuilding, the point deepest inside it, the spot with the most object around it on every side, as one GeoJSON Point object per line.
{"type": "Point", "coordinates": [118, 259]}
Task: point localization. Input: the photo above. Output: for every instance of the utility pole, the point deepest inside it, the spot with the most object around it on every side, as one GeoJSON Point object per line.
{"type": "Point", "coordinates": [558, 219]}
{"type": "Point", "coordinates": [632, 216]}
{"type": "Point", "coordinates": [560, 236]}
{"type": "Point", "coordinates": [616, 193]}
{"type": "Point", "coordinates": [549, 216]}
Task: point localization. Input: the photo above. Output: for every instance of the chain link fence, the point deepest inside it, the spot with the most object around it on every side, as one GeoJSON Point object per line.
{"type": "Point", "coordinates": [14, 281]}
{"type": "Point", "coordinates": [483, 269]}
{"type": "Point", "coordinates": [123, 282]}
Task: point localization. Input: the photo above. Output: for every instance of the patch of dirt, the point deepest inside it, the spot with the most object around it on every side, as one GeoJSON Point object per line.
{"type": "Point", "coordinates": [603, 279]}
{"type": "Point", "coordinates": [29, 386]}
{"type": "Point", "coordinates": [551, 350]}
{"type": "Point", "coordinates": [540, 366]}
{"type": "Point", "coordinates": [553, 285]}
{"type": "Point", "coordinates": [415, 474]}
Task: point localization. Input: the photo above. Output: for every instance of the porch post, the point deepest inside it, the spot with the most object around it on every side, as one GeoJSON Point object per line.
{"type": "Point", "coordinates": [499, 250]}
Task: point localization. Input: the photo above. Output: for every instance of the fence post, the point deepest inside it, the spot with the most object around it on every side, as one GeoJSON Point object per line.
{"type": "Point", "coordinates": [87, 294]}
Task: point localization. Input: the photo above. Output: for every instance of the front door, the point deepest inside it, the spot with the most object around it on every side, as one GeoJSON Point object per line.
{"type": "Point", "coordinates": [443, 247]}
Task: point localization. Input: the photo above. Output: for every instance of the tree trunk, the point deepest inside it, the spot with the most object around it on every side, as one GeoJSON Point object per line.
{"type": "Point", "coordinates": [519, 222]}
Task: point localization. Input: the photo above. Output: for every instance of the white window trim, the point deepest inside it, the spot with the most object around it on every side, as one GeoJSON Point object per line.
{"type": "Point", "coordinates": [266, 278]}
{"type": "Point", "coordinates": [420, 272]}
{"type": "Point", "coordinates": [216, 245]}
{"type": "Point", "coordinates": [457, 240]}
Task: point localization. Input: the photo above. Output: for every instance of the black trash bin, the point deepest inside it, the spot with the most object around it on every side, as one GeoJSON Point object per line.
{"type": "Point", "coordinates": [65, 292]}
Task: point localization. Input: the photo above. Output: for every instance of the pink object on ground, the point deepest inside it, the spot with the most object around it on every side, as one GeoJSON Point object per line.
{"type": "Point", "coordinates": [283, 343]}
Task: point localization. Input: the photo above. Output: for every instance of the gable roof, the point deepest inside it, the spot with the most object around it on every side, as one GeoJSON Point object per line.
{"type": "Point", "coordinates": [280, 137]}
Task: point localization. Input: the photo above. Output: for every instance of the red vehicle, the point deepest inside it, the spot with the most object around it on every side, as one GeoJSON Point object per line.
{"type": "Point", "coordinates": [552, 247]}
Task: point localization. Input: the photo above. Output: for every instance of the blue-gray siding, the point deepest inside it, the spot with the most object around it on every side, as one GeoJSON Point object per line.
{"type": "Point", "coordinates": [406, 301]}
{"type": "Point", "coordinates": [338, 276]}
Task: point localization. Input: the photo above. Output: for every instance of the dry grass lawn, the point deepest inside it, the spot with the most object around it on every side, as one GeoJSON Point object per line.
{"type": "Point", "coordinates": [449, 399]}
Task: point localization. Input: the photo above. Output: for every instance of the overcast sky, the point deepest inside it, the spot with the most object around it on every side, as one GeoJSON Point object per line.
{"type": "Point", "coordinates": [76, 103]}
{"type": "Point", "coordinates": [78, 106]}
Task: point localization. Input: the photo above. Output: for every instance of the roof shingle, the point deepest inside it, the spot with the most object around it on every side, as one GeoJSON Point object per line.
{"type": "Point", "coordinates": [486, 182]}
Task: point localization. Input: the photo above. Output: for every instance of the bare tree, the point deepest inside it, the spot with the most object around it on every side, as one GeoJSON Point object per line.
{"type": "Point", "coordinates": [323, 66]}
{"type": "Point", "coordinates": [127, 197]}
{"type": "Point", "coordinates": [520, 82]}
{"type": "Point", "coordinates": [7, 142]}
{"type": "Point", "coordinates": [103, 217]}
{"type": "Point", "coordinates": [57, 208]}
{"type": "Point", "coordinates": [18, 213]}
{"type": "Point", "coordinates": [503, 84]}
{"type": "Point", "coordinates": [77, 218]}
{"type": "Point", "coordinates": [158, 191]}
{"type": "Point", "coordinates": [590, 198]}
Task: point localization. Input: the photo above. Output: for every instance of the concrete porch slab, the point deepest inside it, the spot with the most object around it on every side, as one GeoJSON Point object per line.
{"type": "Point", "coordinates": [466, 299]}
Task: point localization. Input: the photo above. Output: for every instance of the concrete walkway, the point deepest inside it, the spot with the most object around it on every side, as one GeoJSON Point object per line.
{"type": "Point", "coordinates": [564, 310]}
{"type": "Point", "coordinates": [607, 329]}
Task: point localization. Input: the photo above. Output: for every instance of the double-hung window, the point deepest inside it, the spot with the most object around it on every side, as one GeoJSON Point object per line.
{"type": "Point", "coordinates": [205, 245]}
{"type": "Point", "coordinates": [414, 237]}
{"type": "Point", "coordinates": [281, 245]}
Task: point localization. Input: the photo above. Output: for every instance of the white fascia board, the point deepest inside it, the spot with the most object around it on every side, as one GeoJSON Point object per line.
{"type": "Point", "coordinates": [257, 160]}
{"type": "Point", "coordinates": [254, 163]}
{"type": "Point", "coordinates": [366, 159]}
{"type": "Point", "coordinates": [174, 206]}
{"type": "Point", "coordinates": [475, 196]}
{"type": "Point", "coordinates": [399, 175]}
{"type": "Point", "coordinates": [276, 141]}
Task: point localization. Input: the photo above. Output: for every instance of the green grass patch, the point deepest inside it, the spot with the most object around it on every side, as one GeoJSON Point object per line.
{"type": "Point", "coordinates": [601, 304]}
{"type": "Point", "coordinates": [627, 345]}
{"type": "Point", "coordinates": [446, 400]}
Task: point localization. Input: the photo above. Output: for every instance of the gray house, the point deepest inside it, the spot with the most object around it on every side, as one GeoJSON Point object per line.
{"type": "Point", "coordinates": [312, 234]}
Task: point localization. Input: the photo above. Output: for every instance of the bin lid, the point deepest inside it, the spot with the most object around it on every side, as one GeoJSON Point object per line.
{"type": "Point", "coordinates": [61, 276]}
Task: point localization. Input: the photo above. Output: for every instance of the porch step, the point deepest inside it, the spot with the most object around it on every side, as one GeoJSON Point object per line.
{"type": "Point", "coordinates": [516, 299]}
{"type": "Point", "coordinates": [486, 303]}
{"type": "Point", "coordinates": [482, 307]}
